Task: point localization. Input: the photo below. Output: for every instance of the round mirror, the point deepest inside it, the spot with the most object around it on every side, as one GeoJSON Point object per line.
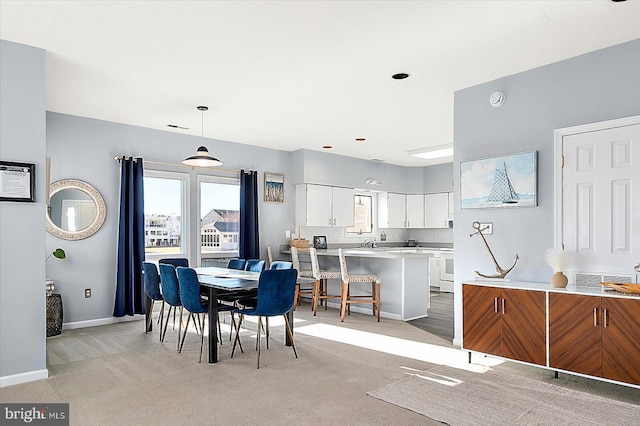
{"type": "Point", "coordinates": [76, 210]}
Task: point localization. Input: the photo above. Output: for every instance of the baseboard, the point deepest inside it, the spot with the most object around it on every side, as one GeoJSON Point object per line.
{"type": "Point", "coordinates": [100, 321]}
{"type": "Point", "coordinates": [30, 376]}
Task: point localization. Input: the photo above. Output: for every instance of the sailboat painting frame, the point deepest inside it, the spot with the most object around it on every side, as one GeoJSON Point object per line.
{"type": "Point", "coordinates": [508, 181]}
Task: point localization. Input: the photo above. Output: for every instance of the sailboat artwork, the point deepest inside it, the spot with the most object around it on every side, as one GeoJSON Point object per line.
{"type": "Point", "coordinates": [508, 181]}
{"type": "Point", "coordinates": [502, 189]}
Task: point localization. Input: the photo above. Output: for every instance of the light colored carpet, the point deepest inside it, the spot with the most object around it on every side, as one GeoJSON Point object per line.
{"type": "Point", "coordinates": [496, 397]}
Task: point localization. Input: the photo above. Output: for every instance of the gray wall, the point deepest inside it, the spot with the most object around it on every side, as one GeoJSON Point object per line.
{"type": "Point", "coordinates": [597, 86]}
{"type": "Point", "coordinates": [22, 240]}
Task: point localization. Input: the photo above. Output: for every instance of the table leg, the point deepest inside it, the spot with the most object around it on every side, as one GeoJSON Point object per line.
{"type": "Point", "coordinates": [287, 340]}
{"type": "Point", "coordinates": [213, 325]}
{"type": "Point", "coordinates": [148, 320]}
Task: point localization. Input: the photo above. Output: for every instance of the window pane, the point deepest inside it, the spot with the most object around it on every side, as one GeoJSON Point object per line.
{"type": "Point", "coordinates": [219, 217]}
{"type": "Point", "coordinates": [163, 215]}
{"type": "Point", "coordinates": [363, 218]}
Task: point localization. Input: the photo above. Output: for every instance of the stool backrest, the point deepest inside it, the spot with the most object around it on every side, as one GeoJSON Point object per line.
{"type": "Point", "coordinates": [343, 266]}
{"type": "Point", "coordinates": [315, 266]}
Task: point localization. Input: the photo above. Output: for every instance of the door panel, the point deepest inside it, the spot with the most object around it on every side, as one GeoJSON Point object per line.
{"type": "Point", "coordinates": [575, 333]}
{"type": "Point", "coordinates": [621, 340]}
{"type": "Point", "coordinates": [524, 326]}
{"type": "Point", "coordinates": [481, 319]}
{"type": "Point", "coordinates": [601, 184]}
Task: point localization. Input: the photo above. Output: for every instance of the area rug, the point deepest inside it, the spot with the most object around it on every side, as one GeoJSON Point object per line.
{"type": "Point", "coordinates": [459, 397]}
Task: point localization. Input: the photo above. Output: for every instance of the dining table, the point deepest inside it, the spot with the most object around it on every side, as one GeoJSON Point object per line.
{"type": "Point", "coordinates": [214, 279]}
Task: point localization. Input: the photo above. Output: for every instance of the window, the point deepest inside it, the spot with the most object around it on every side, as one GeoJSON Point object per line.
{"type": "Point", "coordinates": [363, 215]}
{"type": "Point", "coordinates": [164, 212]}
{"type": "Point", "coordinates": [219, 216]}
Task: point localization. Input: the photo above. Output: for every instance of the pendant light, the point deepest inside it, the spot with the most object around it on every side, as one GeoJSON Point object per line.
{"type": "Point", "coordinates": [202, 157]}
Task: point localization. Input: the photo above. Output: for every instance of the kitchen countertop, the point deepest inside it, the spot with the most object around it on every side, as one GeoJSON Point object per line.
{"type": "Point", "coordinates": [382, 252]}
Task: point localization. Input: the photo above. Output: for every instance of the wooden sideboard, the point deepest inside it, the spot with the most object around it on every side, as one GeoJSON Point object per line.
{"type": "Point", "coordinates": [584, 331]}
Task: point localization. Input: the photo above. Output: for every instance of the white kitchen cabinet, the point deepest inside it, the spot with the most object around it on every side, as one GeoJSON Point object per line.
{"type": "Point", "coordinates": [415, 211]}
{"type": "Point", "coordinates": [391, 210]}
{"type": "Point", "coordinates": [450, 205]}
{"type": "Point", "coordinates": [436, 210]}
{"type": "Point", "coordinates": [319, 205]}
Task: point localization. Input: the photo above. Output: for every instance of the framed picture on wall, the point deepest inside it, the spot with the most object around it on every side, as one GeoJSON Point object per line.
{"type": "Point", "coordinates": [17, 181]}
{"type": "Point", "coordinates": [506, 181]}
{"type": "Point", "coordinates": [273, 187]}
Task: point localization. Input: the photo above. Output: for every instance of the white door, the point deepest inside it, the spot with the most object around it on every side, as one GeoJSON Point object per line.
{"type": "Point", "coordinates": [601, 199]}
{"type": "Point", "coordinates": [319, 200]}
{"type": "Point", "coordinates": [397, 210]}
{"type": "Point", "coordinates": [343, 206]}
{"type": "Point", "coordinates": [415, 211]}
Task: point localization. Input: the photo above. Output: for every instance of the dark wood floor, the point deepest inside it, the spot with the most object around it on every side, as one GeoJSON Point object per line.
{"type": "Point", "coordinates": [440, 319]}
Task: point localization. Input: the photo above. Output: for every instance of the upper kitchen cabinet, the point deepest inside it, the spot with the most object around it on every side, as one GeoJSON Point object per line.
{"type": "Point", "coordinates": [319, 205]}
{"type": "Point", "coordinates": [392, 210]}
{"type": "Point", "coordinates": [450, 205]}
{"type": "Point", "coordinates": [436, 210]}
{"type": "Point", "coordinates": [415, 211]}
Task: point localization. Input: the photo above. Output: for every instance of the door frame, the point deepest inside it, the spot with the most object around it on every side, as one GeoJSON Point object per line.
{"type": "Point", "coordinates": [558, 160]}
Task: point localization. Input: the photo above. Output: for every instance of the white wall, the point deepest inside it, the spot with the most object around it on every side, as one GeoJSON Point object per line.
{"type": "Point", "coordinates": [22, 240]}
{"type": "Point", "coordinates": [597, 86]}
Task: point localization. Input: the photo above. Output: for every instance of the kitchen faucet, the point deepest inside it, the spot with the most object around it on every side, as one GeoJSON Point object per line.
{"type": "Point", "coordinates": [369, 243]}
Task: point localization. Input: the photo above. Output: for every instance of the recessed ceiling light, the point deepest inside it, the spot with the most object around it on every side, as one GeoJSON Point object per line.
{"type": "Point", "coordinates": [377, 160]}
{"type": "Point", "coordinates": [360, 139]}
{"type": "Point", "coordinates": [433, 152]}
{"type": "Point", "coordinates": [400, 76]}
{"type": "Point", "coordinates": [327, 146]}
{"type": "Point", "coordinates": [175, 126]}
{"type": "Point", "coordinates": [617, 1]}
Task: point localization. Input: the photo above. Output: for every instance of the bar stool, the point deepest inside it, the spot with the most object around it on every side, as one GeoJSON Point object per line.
{"type": "Point", "coordinates": [295, 259]}
{"type": "Point", "coordinates": [320, 290]}
{"type": "Point", "coordinates": [348, 299]}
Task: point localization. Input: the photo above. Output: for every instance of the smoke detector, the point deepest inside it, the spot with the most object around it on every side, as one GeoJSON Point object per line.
{"type": "Point", "coordinates": [496, 99]}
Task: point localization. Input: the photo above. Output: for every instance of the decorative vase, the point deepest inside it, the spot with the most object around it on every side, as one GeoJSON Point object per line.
{"type": "Point", "coordinates": [559, 280]}
{"type": "Point", "coordinates": [49, 287]}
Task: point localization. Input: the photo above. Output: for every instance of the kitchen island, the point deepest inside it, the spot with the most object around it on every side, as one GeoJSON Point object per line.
{"type": "Point", "coordinates": [403, 272]}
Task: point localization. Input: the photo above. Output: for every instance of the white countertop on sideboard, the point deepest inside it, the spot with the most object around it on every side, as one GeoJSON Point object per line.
{"type": "Point", "coordinates": [525, 285]}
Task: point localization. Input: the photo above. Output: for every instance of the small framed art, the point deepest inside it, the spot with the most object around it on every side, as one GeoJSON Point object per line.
{"type": "Point", "coordinates": [17, 181]}
{"type": "Point", "coordinates": [273, 187]}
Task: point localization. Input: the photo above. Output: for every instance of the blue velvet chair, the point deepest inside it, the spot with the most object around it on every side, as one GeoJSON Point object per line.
{"type": "Point", "coordinates": [276, 292]}
{"type": "Point", "coordinates": [171, 295]}
{"type": "Point", "coordinates": [175, 261]}
{"type": "Point", "coordinates": [152, 289]}
{"type": "Point", "coordinates": [281, 264]}
{"type": "Point", "coordinates": [236, 264]}
{"type": "Point", "coordinates": [254, 265]}
{"type": "Point", "coordinates": [197, 308]}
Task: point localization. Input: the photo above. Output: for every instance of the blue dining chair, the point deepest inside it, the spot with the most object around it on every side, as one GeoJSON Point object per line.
{"type": "Point", "coordinates": [281, 264]}
{"type": "Point", "coordinates": [236, 264]}
{"type": "Point", "coordinates": [276, 292]}
{"type": "Point", "coordinates": [175, 261]}
{"type": "Point", "coordinates": [197, 308]}
{"type": "Point", "coordinates": [152, 289]}
{"type": "Point", "coordinates": [171, 295]}
{"type": "Point", "coordinates": [254, 265]}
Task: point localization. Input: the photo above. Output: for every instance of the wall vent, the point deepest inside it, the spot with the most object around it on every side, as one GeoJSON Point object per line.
{"type": "Point", "coordinates": [591, 279]}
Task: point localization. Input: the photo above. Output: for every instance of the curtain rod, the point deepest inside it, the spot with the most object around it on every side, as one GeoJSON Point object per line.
{"type": "Point", "coordinates": [118, 159]}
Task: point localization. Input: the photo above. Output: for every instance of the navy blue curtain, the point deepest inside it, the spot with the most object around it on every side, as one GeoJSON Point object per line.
{"type": "Point", "coordinates": [249, 235]}
{"type": "Point", "coordinates": [130, 298]}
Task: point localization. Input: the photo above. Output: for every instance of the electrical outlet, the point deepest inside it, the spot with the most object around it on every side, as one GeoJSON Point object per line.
{"type": "Point", "coordinates": [487, 228]}
{"type": "Point", "coordinates": [287, 234]}
{"type": "Point", "coordinates": [87, 293]}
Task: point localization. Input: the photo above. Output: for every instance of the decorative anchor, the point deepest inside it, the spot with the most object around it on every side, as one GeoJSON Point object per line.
{"type": "Point", "coordinates": [501, 273]}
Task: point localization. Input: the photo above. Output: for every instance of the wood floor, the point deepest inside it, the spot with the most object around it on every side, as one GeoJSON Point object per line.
{"type": "Point", "coordinates": [440, 319]}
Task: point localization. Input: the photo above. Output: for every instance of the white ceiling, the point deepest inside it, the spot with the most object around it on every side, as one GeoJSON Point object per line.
{"type": "Point", "coordinates": [300, 74]}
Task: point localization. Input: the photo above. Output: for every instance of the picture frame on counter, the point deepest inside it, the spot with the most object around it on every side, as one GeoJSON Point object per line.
{"type": "Point", "coordinates": [273, 187]}
{"type": "Point", "coordinates": [17, 181]}
{"type": "Point", "coordinates": [506, 181]}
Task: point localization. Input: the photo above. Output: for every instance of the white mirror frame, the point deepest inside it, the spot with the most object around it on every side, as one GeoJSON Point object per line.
{"type": "Point", "coordinates": [97, 199]}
